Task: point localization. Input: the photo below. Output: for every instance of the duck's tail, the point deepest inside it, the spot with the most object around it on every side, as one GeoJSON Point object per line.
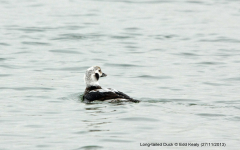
{"type": "Point", "coordinates": [134, 100]}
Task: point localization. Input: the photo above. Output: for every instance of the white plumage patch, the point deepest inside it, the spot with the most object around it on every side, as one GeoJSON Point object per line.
{"type": "Point", "coordinates": [105, 90]}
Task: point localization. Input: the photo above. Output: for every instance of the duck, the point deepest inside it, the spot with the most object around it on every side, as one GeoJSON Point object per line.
{"type": "Point", "coordinates": [94, 92]}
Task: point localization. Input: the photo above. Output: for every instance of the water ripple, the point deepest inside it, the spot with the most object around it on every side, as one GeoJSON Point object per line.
{"type": "Point", "coordinates": [122, 65]}
{"type": "Point", "coordinates": [26, 88]}
{"type": "Point", "coordinates": [90, 147]}
{"type": "Point", "coordinates": [36, 43]}
{"type": "Point", "coordinates": [154, 77]}
{"type": "Point", "coordinates": [65, 51]}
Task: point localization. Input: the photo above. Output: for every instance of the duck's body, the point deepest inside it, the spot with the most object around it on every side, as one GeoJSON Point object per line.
{"type": "Point", "coordinates": [94, 91]}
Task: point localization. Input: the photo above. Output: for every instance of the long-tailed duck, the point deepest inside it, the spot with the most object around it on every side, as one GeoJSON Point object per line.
{"type": "Point", "coordinates": [94, 91]}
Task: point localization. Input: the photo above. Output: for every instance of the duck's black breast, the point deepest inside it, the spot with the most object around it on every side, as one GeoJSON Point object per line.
{"type": "Point", "coordinates": [97, 93]}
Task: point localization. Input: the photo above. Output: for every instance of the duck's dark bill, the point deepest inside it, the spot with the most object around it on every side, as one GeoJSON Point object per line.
{"type": "Point", "coordinates": [103, 75]}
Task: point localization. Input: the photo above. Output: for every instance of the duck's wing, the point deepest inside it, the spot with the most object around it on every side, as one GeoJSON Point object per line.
{"type": "Point", "coordinates": [106, 94]}
{"type": "Point", "coordinates": [123, 95]}
{"type": "Point", "coordinates": [101, 95]}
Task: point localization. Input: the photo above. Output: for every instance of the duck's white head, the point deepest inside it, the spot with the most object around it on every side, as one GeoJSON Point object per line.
{"type": "Point", "coordinates": [92, 75]}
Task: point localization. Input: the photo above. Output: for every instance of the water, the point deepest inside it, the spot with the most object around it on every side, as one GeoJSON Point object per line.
{"type": "Point", "coordinates": [180, 58]}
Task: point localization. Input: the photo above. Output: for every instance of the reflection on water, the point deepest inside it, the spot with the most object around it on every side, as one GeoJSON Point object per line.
{"type": "Point", "coordinates": [180, 58]}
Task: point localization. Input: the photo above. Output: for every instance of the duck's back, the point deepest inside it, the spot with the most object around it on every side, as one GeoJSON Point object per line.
{"type": "Point", "coordinates": [97, 93]}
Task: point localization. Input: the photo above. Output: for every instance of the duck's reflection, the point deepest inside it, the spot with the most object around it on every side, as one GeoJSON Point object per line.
{"type": "Point", "coordinates": [97, 121]}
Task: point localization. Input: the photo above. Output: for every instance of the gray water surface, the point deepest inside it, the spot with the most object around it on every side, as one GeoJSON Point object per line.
{"type": "Point", "coordinates": [181, 58]}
